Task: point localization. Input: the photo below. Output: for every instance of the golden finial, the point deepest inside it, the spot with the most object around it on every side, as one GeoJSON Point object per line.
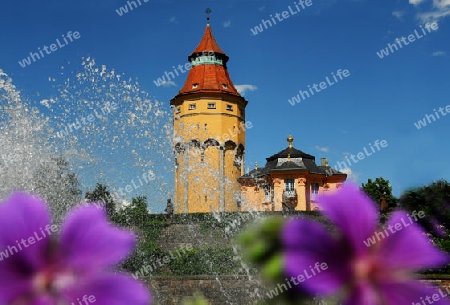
{"type": "Point", "coordinates": [290, 139]}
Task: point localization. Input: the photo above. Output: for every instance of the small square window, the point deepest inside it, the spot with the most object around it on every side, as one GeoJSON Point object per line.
{"type": "Point", "coordinates": [192, 106]}
{"type": "Point", "coordinates": [225, 86]}
{"type": "Point", "coordinates": [229, 107]}
{"type": "Point", "coordinates": [211, 105]}
{"type": "Point", "coordinates": [289, 185]}
{"type": "Point", "coordinates": [194, 86]}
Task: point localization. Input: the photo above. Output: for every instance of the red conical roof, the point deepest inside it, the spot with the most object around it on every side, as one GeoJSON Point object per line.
{"type": "Point", "coordinates": [208, 77]}
{"type": "Point", "coordinates": [208, 43]}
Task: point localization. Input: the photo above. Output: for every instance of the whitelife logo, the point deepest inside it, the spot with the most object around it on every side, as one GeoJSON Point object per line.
{"type": "Point", "coordinates": [360, 156]}
{"type": "Point", "coordinates": [167, 78]}
{"type": "Point", "coordinates": [53, 47]}
{"type": "Point", "coordinates": [124, 9]}
{"type": "Point", "coordinates": [318, 266]}
{"type": "Point", "coordinates": [436, 297]}
{"type": "Point", "coordinates": [284, 15]}
{"type": "Point", "coordinates": [323, 85]}
{"type": "Point", "coordinates": [86, 120]}
{"type": "Point", "coordinates": [31, 240]}
{"type": "Point", "coordinates": [411, 38]}
{"type": "Point", "coordinates": [86, 299]}
{"type": "Point", "coordinates": [393, 228]}
{"type": "Point", "coordinates": [166, 259]}
{"type": "Point", "coordinates": [423, 123]}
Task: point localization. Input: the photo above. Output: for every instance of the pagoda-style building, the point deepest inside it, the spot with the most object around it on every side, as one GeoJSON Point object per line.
{"type": "Point", "coordinates": [290, 181]}
{"type": "Point", "coordinates": [209, 128]}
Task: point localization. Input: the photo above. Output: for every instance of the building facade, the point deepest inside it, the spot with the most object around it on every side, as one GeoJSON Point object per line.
{"type": "Point", "coordinates": [290, 181]}
{"type": "Point", "coordinates": [209, 134]}
{"type": "Point", "coordinates": [209, 147]}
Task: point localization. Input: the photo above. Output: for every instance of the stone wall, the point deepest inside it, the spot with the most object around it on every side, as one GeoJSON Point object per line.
{"type": "Point", "coordinates": [178, 235]}
{"type": "Point", "coordinates": [223, 290]}
{"type": "Point", "coordinates": [191, 229]}
{"type": "Point", "coordinates": [217, 289]}
{"type": "Point", "coordinates": [231, 290]}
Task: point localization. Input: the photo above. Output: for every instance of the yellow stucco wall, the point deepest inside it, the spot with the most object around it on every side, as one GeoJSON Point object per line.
{"type": "Point", "coordinates": [215, 136]}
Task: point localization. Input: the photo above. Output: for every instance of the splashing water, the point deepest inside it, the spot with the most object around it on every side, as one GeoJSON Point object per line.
{"type": "Point", "coordinates": [107, 128]}
{"type": "Point", "coordinates": [27, 161]}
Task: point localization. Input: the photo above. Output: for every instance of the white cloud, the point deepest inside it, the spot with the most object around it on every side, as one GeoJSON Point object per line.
{"type": "Point", "coordinates": [122, 203]}
{"type": "Point", "coordinates": [324, 149]}
{"type": "Point", "coordinates": [415, 2]}
{"type": "Point", "coordinates": [243, 88]}
{"type": "Point", "coordinates": [261, 8]}
{"type": "Point", "coordinates": [173, 19]}
{"type": "Point", "coordinates": [226, 24]}
{"type": "Point", "coordinates": [350, 174]}
{"type": "Point", "coordinates": [168, 83]}
{"type": "Point", "coordinates": [441, 9]}
{"type": "Point", "coordinates": [439, 53]}
{"type": "Point", "coordinates": [433, 16]}
{"type": "Point", "coordinates": [441, 4]}
{"type": "Point", "coordinates": [398, 14]}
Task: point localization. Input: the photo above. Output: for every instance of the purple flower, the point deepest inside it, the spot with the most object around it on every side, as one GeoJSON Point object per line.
{"type": "Point", "coordinates": [36, 268]}
{"type": "Point", "coordinates": [346, 263]}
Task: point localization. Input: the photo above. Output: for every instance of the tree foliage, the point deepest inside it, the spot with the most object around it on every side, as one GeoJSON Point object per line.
{"type": "Point", "coordinates": [379, 188]}
{"type": "Point", "coordinates": [434, 201]}
{"type": "Point", "coordinates": [102, 195]}
{"type": "Point", "coordinates": [137, 218]}
{"type": "Point", "coordinates": [58, 185]}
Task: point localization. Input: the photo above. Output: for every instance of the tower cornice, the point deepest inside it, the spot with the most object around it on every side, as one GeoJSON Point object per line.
{"type": "Point", "coordinates": [208, 94]}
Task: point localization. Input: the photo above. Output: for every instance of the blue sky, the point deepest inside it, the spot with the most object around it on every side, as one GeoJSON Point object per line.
{"type": "Point", "coordinates": [381, 99]}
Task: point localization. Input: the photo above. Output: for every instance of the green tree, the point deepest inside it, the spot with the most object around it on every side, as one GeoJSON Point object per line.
{"type": "Point", "coordinates": [137, 213]}
{"type": "Point", "coordinates": [137, 218]}
{"type": "Point", "coordinates": [58, 185]}
{"type": "Point", "coordinates": [102, 195]}
{"type": "Point", "coordinates": [379, 188]}
{"type": "Point", "coordinates": [434, 201]}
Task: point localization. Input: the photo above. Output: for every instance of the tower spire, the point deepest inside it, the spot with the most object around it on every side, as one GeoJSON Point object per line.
{"type": "Point", "coordinates": [208, 72]}
{"type": "Point", "coordinates": [208, 11]}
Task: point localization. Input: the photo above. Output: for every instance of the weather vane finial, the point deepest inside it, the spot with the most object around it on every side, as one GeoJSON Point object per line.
{"type": "Point", "coordinates": [208, 11]}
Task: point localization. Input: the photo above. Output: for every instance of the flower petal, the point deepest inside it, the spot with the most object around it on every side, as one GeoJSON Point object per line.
{"type": "Point", "coordinates": [89, 242]}
{"type": "Point", "coordinates": [111, 289]}
{"type": "Point", "coordinates": [365, 294]}
{"type": "Point", "coordinates": [408, 247]}
{"type": "Point", "coordinates": [353, 212]}
{"type": "Point", "coordinates": [307, 245]}
{"type": "Point", "coordinates": [21, 217]}
{"type": "Point", "coordinates": [414, 292]}
{"type": "Point", "coordinates": [43, 300]}
{"type": "Point", "coordinates": [13, 285]}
